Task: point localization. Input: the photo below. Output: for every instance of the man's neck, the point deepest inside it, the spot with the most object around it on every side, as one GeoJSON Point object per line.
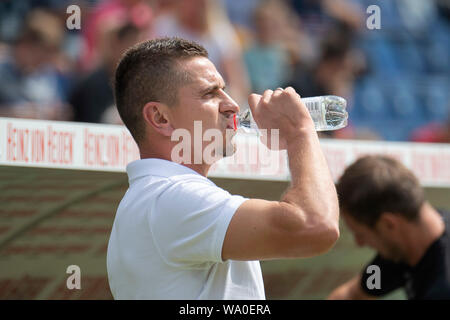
{"type": "Point", "coordinates": [422, 234]}
{"type": "Point", "coordinates": [201, 169]}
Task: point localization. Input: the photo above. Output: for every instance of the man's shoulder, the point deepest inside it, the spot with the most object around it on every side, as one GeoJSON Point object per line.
{"type": "Point", "coordinates": [161, 169]}
{"type": "Point", "coordinates": [445, 214]}
{"type": "Point", "coordinates": [434, 270]}
{"type": "Point", "coordinates": [174, 188]}
{"type": "Point", "coordinates": [444, 240]}
{"type": "Point", "coordinates": [440, 287]}
{"type": "Point", "coordinates": [188, 180]}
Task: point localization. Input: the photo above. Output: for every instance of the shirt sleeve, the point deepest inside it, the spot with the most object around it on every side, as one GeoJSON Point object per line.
{"type": "Point", "coordinates": [439, 289]}
{"type": "Point", "coordinates": [189, 220]}
{"type": "Point", "coordinates": [392, 276]}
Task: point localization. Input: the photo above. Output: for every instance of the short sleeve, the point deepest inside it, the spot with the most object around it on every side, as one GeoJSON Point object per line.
{"type": "Point", "coordinates": [189, 220]}
{"type": "Point", "coordinates": [392, 276]}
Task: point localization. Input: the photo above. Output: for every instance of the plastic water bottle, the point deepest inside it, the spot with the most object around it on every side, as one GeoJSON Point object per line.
{"type": "Point", "coordinates": [328, 113]}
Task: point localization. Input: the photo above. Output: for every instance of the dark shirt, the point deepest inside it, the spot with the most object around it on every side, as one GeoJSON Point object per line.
{"type": "Point", "coordinates": [428, 279]}
{"type": "Point", "coordinates": [92, 96]}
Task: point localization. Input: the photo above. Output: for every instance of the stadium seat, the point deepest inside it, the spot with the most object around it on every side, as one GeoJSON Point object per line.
{"type": "Point", "coordinates": [437, 100]}
{"type": "Point", "coordinates": [369, 101]}
{"type": "Point", "coordinates": [403, 102]}
{"type": "Point", "coordinates": [437, 57]}
{"type": "Point", "coordinates": [409, 57]}
{"type": "Point", "coordinates": [381, 55]}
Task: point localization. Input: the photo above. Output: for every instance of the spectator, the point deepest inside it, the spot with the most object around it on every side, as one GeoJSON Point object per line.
{"type": "Point", "coordinates": [278, 43]}
{"type": "Point", "coordinates": [205, 22]}
{"type": "Point", "coordinates": [320, 18]}
{"type": "Point", "coordinates": [137, 11]}
{"type": "Point", "coordinates": [321, 15]}
{"type": "Point", "coordinates": [99, 107]}
{"type": "Point", "coordinates": [333, 73]}
{"type": "Point", "coordinates": [267, 62]}
{"type": "Point", "coordinates": [241, 12]}
{"type": "Point", "coordinates": [30, 84]}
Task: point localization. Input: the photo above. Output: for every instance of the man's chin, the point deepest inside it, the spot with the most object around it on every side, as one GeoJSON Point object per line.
{"type": "Point", "coordinates": [229, 150]}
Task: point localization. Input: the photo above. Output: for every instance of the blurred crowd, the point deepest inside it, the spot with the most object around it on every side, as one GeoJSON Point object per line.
{"type": "Point", "coordinates": [320, 47]}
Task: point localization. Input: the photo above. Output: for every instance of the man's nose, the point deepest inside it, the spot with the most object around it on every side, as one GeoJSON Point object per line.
{"type": "Point", "coordinates": [228, 105]}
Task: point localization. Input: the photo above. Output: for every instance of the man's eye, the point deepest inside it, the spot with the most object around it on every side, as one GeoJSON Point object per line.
{"type": "Point", "coordinates": [210, 94]}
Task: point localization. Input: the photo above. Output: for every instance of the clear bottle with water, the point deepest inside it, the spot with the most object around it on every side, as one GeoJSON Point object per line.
{"type": "Point", "coordinates": [328, 113]}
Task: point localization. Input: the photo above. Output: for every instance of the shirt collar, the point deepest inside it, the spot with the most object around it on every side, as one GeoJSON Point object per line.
{"type": "Point", "coordinates": [157, 167]}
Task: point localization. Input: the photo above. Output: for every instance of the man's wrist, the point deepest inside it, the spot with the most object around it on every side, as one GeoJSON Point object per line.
{"type": "Point", "coordinates": [300, 134]}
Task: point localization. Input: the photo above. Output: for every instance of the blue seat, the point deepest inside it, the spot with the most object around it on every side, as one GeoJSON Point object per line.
{"type": "Point", "coordinates": [369, 102]}
{"type": "Point", "coordinates": [382, 57]}
{"type": "Point", "coordinates": [409, 57]}
{"type": "Point", "coordinates": [391, 108]}
{"type": "Point", "coordinates": [403, 102]}
{"type": "Point", "coordinates": [436, 100]}
{"type": "Point", "coordinates": [392, 130]}
{"type": "Point", "coordinates": [437, 57]}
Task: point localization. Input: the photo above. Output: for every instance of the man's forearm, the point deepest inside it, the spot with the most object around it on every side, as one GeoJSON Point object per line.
{"type": "Point", "coordinates": [312, 188]}
{"type": "Point", "coordinates": [350, 290]}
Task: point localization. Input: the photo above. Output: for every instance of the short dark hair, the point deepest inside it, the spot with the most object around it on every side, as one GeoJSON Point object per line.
{"type": "Point", "coordinates": [375, 184]}
{"type": "Point", "coordinates": [148, 72]}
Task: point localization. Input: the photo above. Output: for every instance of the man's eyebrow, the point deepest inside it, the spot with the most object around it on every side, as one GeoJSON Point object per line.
{"type": "Point", "coordinates": [212, 88]}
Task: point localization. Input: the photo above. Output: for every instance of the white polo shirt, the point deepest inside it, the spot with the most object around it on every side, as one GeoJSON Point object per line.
{"type": "Point", "coordinates": [166, 241]}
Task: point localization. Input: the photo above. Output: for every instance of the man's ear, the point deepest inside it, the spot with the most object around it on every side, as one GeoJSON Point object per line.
{"type": "Point", "coordinates": [389, 221]}
{"type": "Point", "coordinates": [156, 116]}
